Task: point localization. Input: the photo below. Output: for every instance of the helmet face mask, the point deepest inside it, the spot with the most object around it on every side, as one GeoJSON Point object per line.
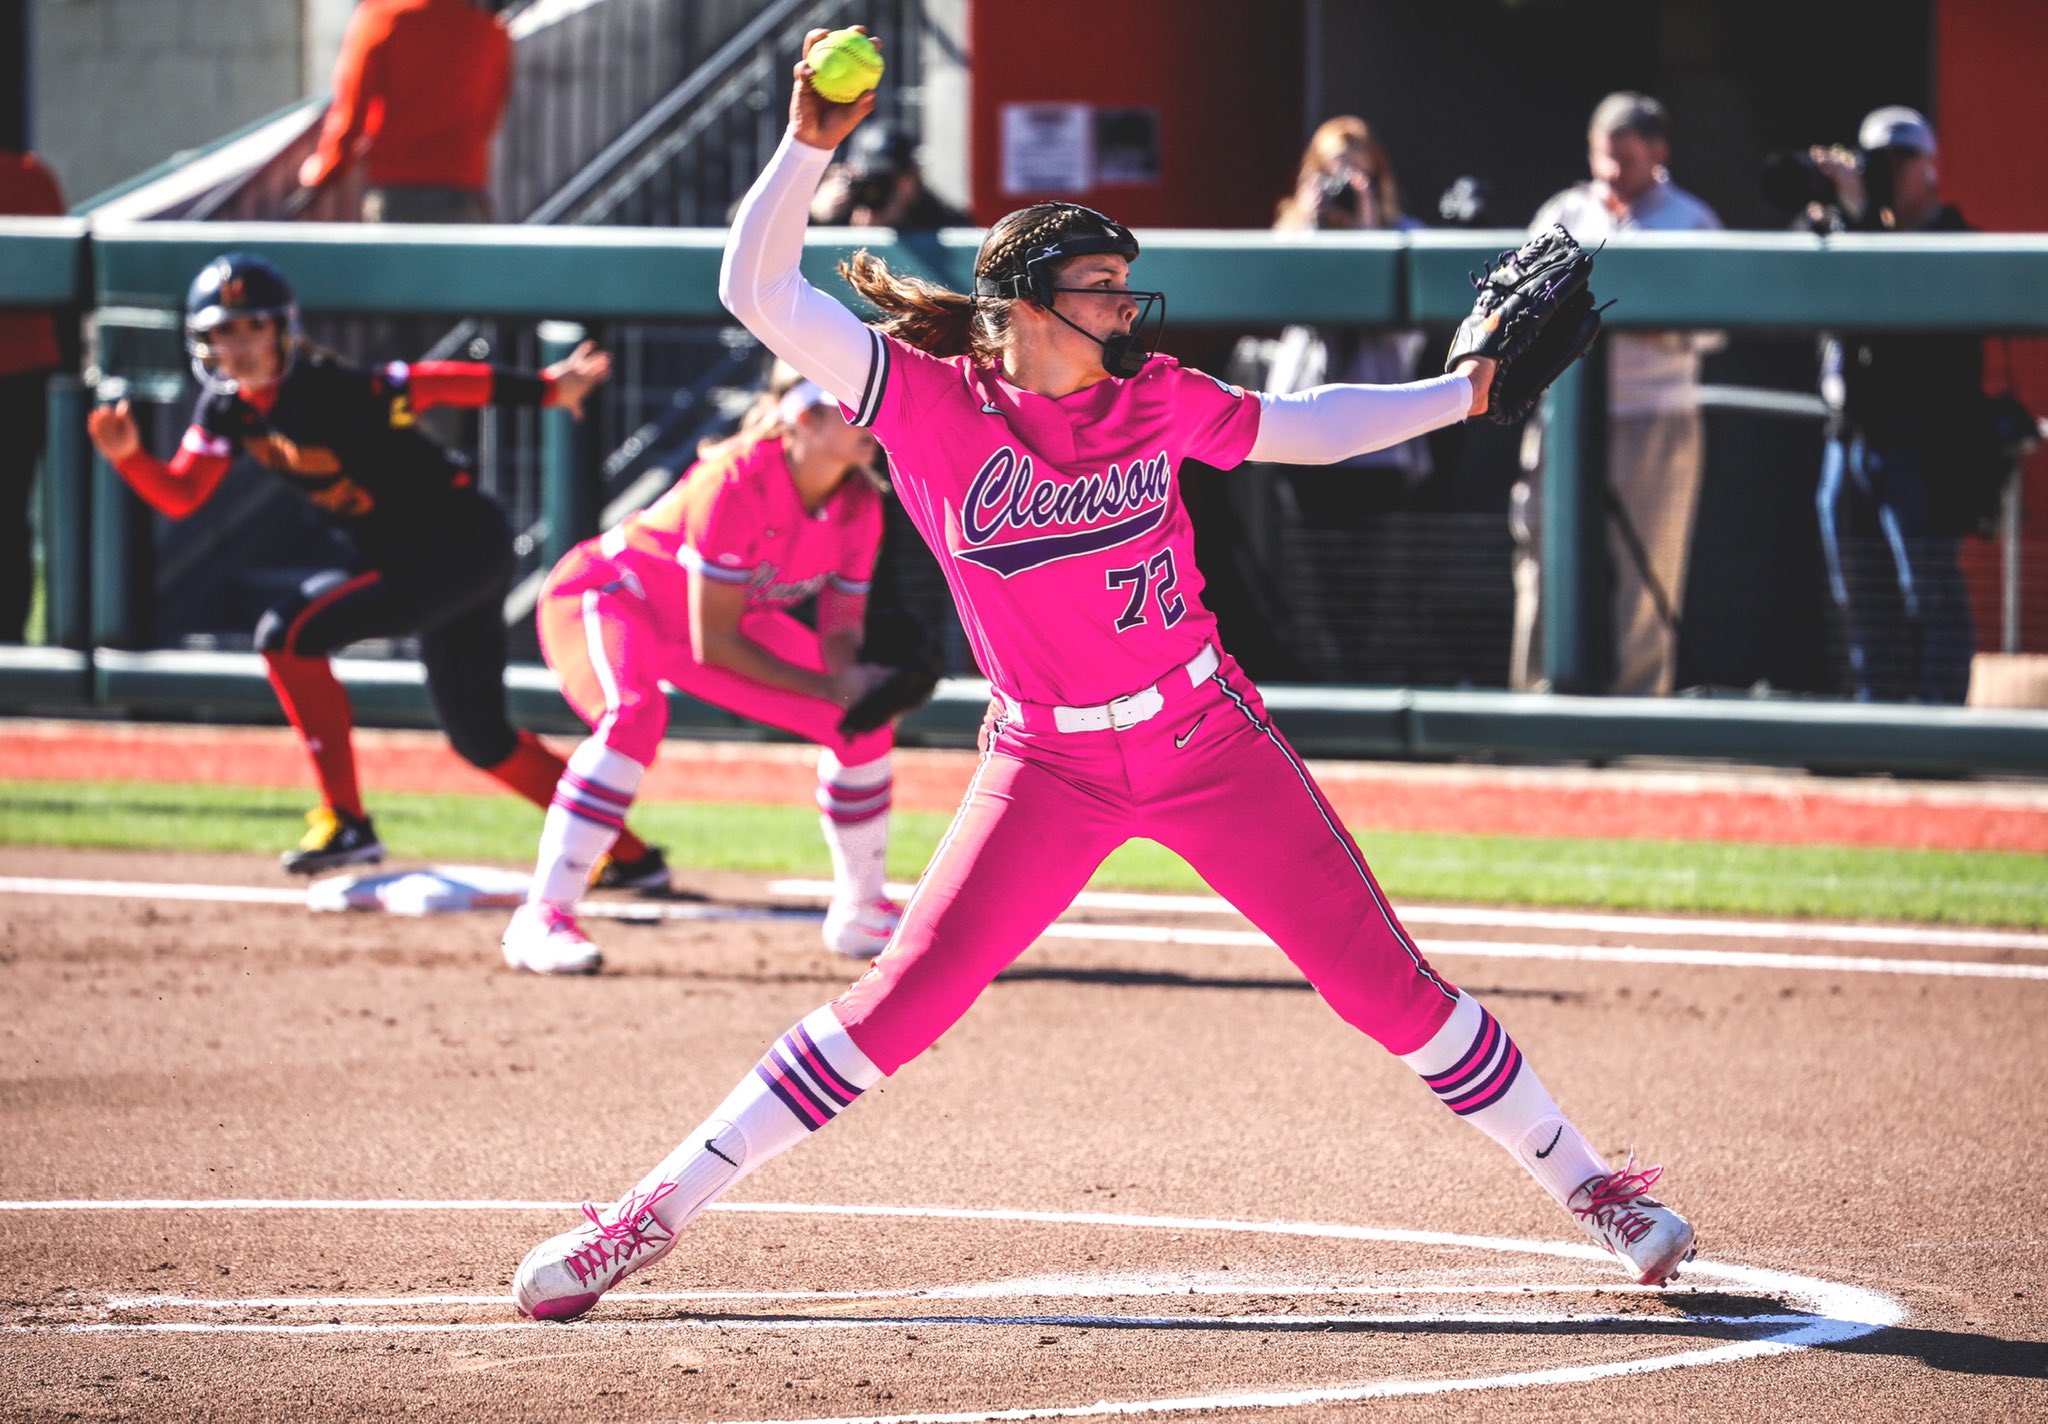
{"type": "Point", "coordinates": [233, 286]}
{"type": "Point", "coordinates": [1033, 277]}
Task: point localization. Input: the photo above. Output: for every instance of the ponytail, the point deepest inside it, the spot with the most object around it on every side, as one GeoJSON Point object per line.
{"type": "Point", "coordinates": [924, 314]}
{"type": "Point", "coordinates": [947, 323]}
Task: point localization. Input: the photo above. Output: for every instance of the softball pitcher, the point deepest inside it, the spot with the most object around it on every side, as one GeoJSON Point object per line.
{"type": "Point", "coordinates": [1036, 441]}
{"type": "Point", "coordinates": [429, 553]}
{"type": "Point", "coordinates": [695, 591]}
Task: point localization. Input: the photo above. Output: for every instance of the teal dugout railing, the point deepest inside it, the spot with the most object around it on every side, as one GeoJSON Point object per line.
{"type": "Point", "coordinates": [1783, 283]}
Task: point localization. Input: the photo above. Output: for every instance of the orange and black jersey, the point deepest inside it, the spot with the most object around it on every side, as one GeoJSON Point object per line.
{"type": "Point", "coordinates": [342, 437]}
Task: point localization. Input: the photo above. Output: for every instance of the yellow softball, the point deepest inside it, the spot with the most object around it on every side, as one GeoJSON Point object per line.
{"type": "Point", "coordinates": [844, 65]}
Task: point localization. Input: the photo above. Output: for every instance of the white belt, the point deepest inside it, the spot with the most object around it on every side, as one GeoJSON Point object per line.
{"type": "Point", "coordinates": [1121, 713]}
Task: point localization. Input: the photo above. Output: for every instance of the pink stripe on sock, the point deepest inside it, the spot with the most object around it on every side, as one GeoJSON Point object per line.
{"type": "Point", "coordinates": [598, 814]}
{"type": "Point", "coordinates": [1508, 1063]}
{"type": "Point", "coordinates": [1475, 1059]}
{"type": "Point", "coordinates": [796, 1092]}
{"type": "Point", "coordinates": [853, 818]}
{"type": "Point", "coordinates": [597, 790]}
{"type": "Point", "coordinates": [828, 1080]}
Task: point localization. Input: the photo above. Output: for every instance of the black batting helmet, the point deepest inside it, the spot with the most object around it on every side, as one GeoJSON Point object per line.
{"type": "Point", "coordinates": [235, 284]}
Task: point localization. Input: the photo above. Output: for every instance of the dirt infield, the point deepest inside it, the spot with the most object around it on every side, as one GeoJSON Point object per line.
{"type": "Point", "coordinates": [264, 1164]}
{"type": "Point", "coordinates": [1768, 808]}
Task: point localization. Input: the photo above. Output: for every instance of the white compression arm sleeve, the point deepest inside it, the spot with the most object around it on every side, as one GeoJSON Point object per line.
{"type": "Point", "coordinates": [761, 283]}
{"type": "Point", "coordinates": [1325, 424]}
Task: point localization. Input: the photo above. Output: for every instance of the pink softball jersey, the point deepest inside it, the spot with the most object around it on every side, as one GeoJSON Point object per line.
{"type": "Point", "coordinates": [739, 520]}
{"type": "Point", "coordinates": [1059, 521]}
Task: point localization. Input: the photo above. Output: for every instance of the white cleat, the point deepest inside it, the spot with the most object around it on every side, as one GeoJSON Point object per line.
{"type": "Point", "coordinates": [1651, 1239]}
{"type": "Point", "coordinates": [861, 931]}
{"type": "Point", "coordinates": [563, 1277]}
{"type": "Point", "coordinates": [543, 939]}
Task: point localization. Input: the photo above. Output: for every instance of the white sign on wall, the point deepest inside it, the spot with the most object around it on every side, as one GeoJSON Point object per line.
{"type": "Point", "coordinates": [1048, 148]}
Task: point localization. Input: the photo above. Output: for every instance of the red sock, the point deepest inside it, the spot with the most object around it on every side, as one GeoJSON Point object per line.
{"type": "Point", "coordinates": [533, 771]}
{"type": "Point", "coordinates": [313, 699]}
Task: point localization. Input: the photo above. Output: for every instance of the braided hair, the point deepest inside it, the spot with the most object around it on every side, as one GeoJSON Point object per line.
{"type": "Point", "coordinates": [944, 322]}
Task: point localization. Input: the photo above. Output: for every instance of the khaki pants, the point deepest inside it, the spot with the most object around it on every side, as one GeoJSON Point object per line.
{"type": "Point", "coordinates": [1654, 467]}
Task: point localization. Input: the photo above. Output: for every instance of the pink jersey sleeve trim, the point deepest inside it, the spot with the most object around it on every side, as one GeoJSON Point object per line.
{"type": "Point", "coordinates": [696, 563]}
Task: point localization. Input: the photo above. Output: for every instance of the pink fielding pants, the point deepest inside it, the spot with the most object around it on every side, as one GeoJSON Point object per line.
{"type": "Point", "coordinates": [614, 630]}
{"type": "Point", "coordinates": [1208, 778]}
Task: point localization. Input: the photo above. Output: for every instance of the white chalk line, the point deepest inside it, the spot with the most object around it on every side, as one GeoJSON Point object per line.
{"type": "Point", "coordinates": [1591, 953]}
{"type": "Point", "coordinates": [1566, 921]}
{"type": "Point", "coordinates": [1826, 1312]}
{"type": "Point", "coordinates": [1252, 939]}
{"type": "Point", "coordinates": [1505, 1319]}
{"type": "Point", "coordinates": [1028, 1288]}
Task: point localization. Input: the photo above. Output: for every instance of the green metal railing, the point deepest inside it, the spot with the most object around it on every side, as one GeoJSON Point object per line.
{"type": "Point", "coordinates": [1729, 281]}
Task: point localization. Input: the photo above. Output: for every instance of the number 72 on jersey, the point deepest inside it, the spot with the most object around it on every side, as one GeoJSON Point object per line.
{"type": "Point", "coordinates": [1156, 576]}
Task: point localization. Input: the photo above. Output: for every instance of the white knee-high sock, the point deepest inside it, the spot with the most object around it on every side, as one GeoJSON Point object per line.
{"type": "Point", "coordinates": [853, 810]}
{"type": "Point", "coordinates": [586, 816]}
{"type": "Point", "coordinates": [1478, 1072]}
{"type": "Point", "coordinates": [812, 1074]}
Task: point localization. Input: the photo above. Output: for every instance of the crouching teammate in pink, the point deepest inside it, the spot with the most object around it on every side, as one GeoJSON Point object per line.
{"type": "Point", "coordinates": [694, 591]}
{"type": "Point", "coordinates": [1035, 442]}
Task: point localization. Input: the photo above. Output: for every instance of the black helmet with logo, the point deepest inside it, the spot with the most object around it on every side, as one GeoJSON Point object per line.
{"type": "Point", "coordinates": [236, 284]}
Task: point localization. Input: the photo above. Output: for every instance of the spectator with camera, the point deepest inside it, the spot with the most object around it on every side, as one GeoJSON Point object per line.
{"type": "Point", "coordinates": [879, 183]}
{"type": "Point", "coordinates": [1344, 183]}
{"type": "Point", "coordinates": [1908, 439]}
{"type": "Point", "coordinates": [1656, 446]}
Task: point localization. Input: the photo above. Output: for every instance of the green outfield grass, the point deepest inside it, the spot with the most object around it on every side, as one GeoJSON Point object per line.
{"type": "Point", "coordinates": [1979, 887]}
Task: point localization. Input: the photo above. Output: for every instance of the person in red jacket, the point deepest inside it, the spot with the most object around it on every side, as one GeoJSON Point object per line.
{"type": "Point", "coordinates": [432, 554]}
{"type": "Point", "coordinates": [29, 352]}
{"type": "Point", "coordinates": [419, 88]}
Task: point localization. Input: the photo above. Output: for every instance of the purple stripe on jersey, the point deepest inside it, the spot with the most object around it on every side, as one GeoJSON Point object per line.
{"type": "Point", "coordinates": [812, 1117]}
{"type": "Point", "coordinates": [696, 563]}
{"type": "Point", "coordinates": [1482, 1047]}
{"type": "Point", "coordinates": [1021, 554]}
{"type": "Point", "coordinates": [1372, 888]}
{"type": "Point", "coordinates": [1496, 1087]}
{"type": "Point", "coordinates": [829, 1077]}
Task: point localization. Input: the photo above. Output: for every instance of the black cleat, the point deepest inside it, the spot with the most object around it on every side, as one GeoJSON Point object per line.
{"type": "Point", "coordinates": [334, 838]}
{"type": "Point", "coordinates": [647, 874]}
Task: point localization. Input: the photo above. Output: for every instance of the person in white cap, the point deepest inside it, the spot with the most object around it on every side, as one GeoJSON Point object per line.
{"type": "Point", "coordinates": [1906, 411]}
{"type": "Point", "coordinates": [695, 592]}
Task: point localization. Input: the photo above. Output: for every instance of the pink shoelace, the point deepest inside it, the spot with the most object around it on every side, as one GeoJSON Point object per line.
{"type": "Point", "coordinates": [1613, 1196]}
{"type": "Point", "coordinates": [621, 1238]}
{"type": "Point", "coordinates": [557, 920]}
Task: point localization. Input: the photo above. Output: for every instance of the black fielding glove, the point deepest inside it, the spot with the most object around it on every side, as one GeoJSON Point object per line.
{"type": "Point", "coordinates": [1534, 316]}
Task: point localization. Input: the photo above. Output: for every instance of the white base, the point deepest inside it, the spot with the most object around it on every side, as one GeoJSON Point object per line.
{"type": "Point", "coordinates": [421, 892]}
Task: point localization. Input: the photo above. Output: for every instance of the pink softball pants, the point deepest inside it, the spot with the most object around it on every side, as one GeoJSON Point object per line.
{"type": "Point", "coordinates": [613, 630]}
{"type": "Point", "coordinates": [1207, 777]}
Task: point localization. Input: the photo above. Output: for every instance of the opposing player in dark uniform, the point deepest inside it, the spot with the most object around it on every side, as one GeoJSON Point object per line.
{"type": "Point", "coordinates": [432, 554]}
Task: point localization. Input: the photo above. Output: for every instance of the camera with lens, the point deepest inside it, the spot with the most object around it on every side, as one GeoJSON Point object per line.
{"type": "Point", "coordinates": [1792, 180]}
{"type": "Point", "coordinates": [1335, 193]}
{"type": "Point", "coordinates": [872, 191]}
